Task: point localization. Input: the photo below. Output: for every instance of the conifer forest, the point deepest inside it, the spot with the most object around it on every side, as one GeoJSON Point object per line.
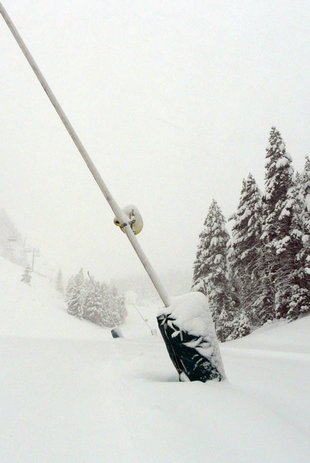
{"type": "Point", "coordinates": [262, 271]}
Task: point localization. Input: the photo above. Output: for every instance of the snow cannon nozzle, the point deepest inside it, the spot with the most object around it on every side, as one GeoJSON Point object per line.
{"type": "Point", "coordinates": [134, 219]}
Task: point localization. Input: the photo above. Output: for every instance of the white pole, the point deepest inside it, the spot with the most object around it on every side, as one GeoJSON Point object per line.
{"type": "Point", "coordinates": [91, 166]}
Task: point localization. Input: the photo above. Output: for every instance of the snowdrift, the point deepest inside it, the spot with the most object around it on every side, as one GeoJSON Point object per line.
{"type": "Point", "coordinates": [69, 393]}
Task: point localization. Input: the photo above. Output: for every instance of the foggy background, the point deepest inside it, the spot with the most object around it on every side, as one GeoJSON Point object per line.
{"type": "Point", "coordinates": [174, 100]}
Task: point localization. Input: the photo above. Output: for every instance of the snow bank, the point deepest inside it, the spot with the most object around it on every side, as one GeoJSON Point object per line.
{"type": "Point", "coordinates": [37, 310]}
{"type": "Point", "coordinates": [69, 393]}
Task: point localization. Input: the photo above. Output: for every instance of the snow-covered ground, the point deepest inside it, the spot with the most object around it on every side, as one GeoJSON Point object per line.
{"type": "Point", "coordinates": [69, 393]}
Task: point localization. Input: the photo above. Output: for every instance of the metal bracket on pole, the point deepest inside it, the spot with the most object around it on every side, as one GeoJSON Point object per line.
{"type": "Point", "coordinates": [87, 159]}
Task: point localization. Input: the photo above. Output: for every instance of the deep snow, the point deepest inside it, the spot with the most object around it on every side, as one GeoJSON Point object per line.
{"type": "Point", "coordinates": [69, 393]}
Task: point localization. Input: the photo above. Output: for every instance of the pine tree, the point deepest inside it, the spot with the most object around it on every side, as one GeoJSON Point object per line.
{"type": "Point", "coordinates": [247, 257]}
{"type": "Point", "coordinates": [299, 245]}
{"type": "Point", "coordinates": [304, 255]}
{"type": "Point", "coordinates": [59, 282]}
{"type": "Point", "coordinates": [69, 289]}
{"type": "Point", "coordinates": [113, 307]}
{"type": "Point", "coordinates": [247, 224]}
{"type": "Point", "coordinates": [277, 222]}
{"type": "Point", "coordinates": [227, 325]}
{"type": "Point", "coordinates": [243, 326]}
{"type": "Point", "coordinates": [75, 295]}
{"type": "Point", "coordinates": [26, 276]}
{"type": "Point", "coordinates": [305, 181]}
{"type": "Point", "coordinates": [92, 302]}
{"type": "Point", "coordinates": [210, 269]}
{"type": "Point", "coordinates": [109, 315]}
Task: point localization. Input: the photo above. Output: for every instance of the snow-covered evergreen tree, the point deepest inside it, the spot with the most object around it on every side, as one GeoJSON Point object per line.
{"type": "Point", "coordinates": [304, 192]}
{"type": "Point", "coordinates": [243, 326]}
{"type": "Point", "coordinates": [277, 221]}
{"type": "Point", "coordinates": [75, 295]}
{"type": "Point", "coordinates": [227, 325]}
{"type": "Point", "coordinates": [298, 250]}
{"type": "Point", "coordinates": [112, 307]}
{"type": "Point", "coordinates": [247, 257]}
{"type": "Point", "coordinates": [210, 269]}
{"type": "Point", "coordinates": [118, 306]}
{"type": "Point", "coordinates": [269, 254]}
{"type": "Point", "coordinates": [59, 282]}
{"type": "Point", "coordinates": [278, 180]}
{"type": "Point", "coordinates": [26, 276]}
{"type": "Point", "coordinates": [93, 302]}
{"type": "Point", "coordinates": [69, 289]}
{"type": "Point", "coordinates": [247, 225]}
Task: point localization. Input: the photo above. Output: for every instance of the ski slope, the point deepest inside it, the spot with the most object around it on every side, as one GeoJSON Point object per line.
{"type": "Point", "coordinates": [69, 393]}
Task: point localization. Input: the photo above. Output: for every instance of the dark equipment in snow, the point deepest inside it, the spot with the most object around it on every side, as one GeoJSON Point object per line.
{"type": "Point", "coordinates": [189, 362]}
{"type": "Point", "coordinates": [116, 333]}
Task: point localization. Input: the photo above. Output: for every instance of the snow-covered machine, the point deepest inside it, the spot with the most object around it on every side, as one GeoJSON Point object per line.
{"type": "Point", "coordinates": [188, 331]}
{"type": "Point", "coordinates": [186, 324]}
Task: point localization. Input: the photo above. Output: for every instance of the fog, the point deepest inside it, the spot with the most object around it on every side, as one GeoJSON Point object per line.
{"type": "Point", "coordinates": [174, 102]}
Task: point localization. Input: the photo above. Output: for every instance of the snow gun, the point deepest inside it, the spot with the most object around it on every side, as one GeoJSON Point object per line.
{"type": "Point", "coordinates": [185, 324]}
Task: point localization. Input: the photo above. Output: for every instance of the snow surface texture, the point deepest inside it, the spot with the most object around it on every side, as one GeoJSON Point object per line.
{"type": "Point", "coordinates": [69, 393]}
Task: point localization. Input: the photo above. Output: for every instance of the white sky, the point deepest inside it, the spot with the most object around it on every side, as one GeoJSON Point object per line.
{"type": "Point", "coordinates": [174, 101]}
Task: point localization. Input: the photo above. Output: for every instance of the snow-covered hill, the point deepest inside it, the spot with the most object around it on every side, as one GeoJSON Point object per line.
{"type": "Point", "coordinates": [69, 393]}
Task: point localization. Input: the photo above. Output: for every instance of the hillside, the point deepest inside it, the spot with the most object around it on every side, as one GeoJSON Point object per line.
{"type": "Point", "coordinates": [70, 393]}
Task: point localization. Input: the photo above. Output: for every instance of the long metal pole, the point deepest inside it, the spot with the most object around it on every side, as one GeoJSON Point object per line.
{"type": "Point", "coordinates": [87, 159]}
